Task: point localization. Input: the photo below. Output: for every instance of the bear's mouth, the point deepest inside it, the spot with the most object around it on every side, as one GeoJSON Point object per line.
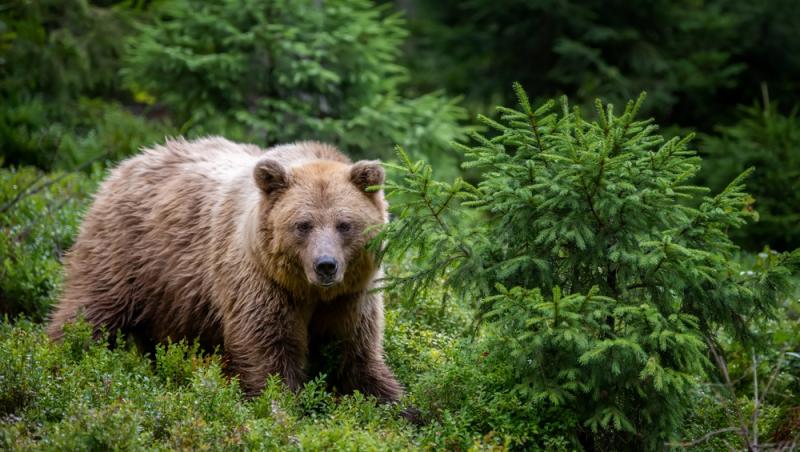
{"type": "Point", "coordinates": [323, 283]}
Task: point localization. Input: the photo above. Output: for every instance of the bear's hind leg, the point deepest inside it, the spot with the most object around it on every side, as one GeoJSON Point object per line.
{"type": "Point", "coordinates": [105, 311]}
{"type": "Point", "coordinates": [64, 313]}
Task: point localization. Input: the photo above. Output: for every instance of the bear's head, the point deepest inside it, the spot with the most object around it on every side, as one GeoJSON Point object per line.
{"type": "Point", "coordinates": [315, 223]}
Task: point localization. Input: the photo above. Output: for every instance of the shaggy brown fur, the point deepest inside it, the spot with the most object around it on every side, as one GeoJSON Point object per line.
{"type": "Point", "coordinates": [260, 252]}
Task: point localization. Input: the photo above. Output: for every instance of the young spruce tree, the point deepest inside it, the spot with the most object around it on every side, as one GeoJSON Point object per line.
{"type": "Point", "coordinates": [599, 273]}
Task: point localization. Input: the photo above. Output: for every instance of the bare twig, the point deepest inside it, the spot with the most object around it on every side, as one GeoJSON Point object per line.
{"type": "Point", "coordinates": [49, 210]}
{"type": "Point", "coordinates": [705, 437]}
{"type": "Point", "coordinates": [747, 429]}
{"type": "Point", "coordinates": [29, 192]}
{"type": "Point", "coordinates": [754, 418]}
{"type": "Point", "coordinates": [22, 192]}
{"type": "Point", "coordinates": [723, 367]}
{"type": "Point", "coordinates": [775, 372]}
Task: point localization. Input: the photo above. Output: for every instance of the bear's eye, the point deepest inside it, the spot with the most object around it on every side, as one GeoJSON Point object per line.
{"type": "Point", "coordinates": [343, 227]}
{"type": "Point", "coordinates": [303, 227]}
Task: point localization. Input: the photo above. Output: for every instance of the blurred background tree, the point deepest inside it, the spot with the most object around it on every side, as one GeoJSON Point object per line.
{"type": "Point", "coordinates": [63, 103]}
{"type": "Point", "coordinates": [274, 71]}
{"type": "Point", "coordinates": [75, 74]}
{"type": "Point", "coordinates": [695, 58]}
{"type": "Point", "coordinates": [765, 139]}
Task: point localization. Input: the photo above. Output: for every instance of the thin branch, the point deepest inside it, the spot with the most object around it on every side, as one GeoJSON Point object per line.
{"type": "Point", "coordinates": [25, 193]}
{"type": "Point", "coordinates": [756, 400]}
{"type": "Point", "coordinates": [22, 192]}
{"type": "Point", "coordinates": [35, 181]}
{"type": "Point", "coordinates": [591, 207]}
{"type": "Point", "coordinates": [705, 437]}
{"type": "Point", "coordinates": [49, 210]}
{"type": "Point", "coordinates": [445, 203]}
{"type": "Point", "coordinates": [775, 373]}
{"type": "Point", "coordinates": [599, 177]}
{"type": "Point", "coordinates": [436, 215]}
{"type": "Point", "coordinates": [744, 430]}
{"type": "Point", "coordinates": [535, 128]}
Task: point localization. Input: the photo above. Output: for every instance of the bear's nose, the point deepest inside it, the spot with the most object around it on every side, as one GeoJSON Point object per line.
{"type": "Point", "coordinates": [326, 266]}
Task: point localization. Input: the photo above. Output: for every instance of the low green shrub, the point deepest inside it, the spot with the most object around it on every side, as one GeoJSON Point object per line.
{"type": "Point", "coordinates": [176, 362]}
{"type": "Point", "coordinates": [83, 395]}
{"type": "Point", "coordinates": [413, 349]}
{"type": "Point", "coordinates": [471, 399]}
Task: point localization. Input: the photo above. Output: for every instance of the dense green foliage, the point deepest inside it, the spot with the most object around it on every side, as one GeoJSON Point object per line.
{"type": "Point", "coordinates": [577, 289]}
{"type": "Point", "coordinates": [109, 80]}
{"type": "Point", "coordinates": [57, 61]}
{"type": "Point", "coordinates": [698, 61]}
{"type": "Point", "coordinates": [601, 272]}
{"type": "Point", "coordinates": [85, 80]}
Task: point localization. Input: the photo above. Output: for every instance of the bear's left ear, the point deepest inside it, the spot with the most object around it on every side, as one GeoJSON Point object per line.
{"type": "Point", "coordinates": [271, 176]}
{"type": "Point", "coordinates": [366, 173]}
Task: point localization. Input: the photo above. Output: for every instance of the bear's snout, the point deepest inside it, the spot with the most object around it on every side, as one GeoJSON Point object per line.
{"type": "Point", "coordinates": [326, 268]}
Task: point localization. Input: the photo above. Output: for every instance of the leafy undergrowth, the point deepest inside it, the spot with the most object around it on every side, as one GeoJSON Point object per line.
{"type": "Point", "coordinates": [81, 395]}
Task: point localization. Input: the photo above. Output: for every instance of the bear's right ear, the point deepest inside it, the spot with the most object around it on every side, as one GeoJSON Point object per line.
{"type": "Point", "coordinates": [367, 173]}
{"type": "Point", "coordinates": [271, 176]}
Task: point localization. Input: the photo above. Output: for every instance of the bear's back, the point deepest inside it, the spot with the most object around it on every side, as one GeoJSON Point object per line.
{"type": "Point", "coordinates": [154, 230]}
{"type": "Point", "coordinates": [161, 225]}
{"type": "Point", "coordinates": [210, 159]}
{"type": "Point", "coordinates": [218, 159]}
{"type": "Point", "coordinates": [299, 153]}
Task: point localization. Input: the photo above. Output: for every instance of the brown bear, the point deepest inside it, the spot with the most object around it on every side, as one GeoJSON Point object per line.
{"type": "Point", "coordinates": [260, 252]}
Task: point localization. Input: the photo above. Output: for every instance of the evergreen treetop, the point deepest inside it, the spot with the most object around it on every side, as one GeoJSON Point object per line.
{"type": "Point", "coordinates": [275, 71]}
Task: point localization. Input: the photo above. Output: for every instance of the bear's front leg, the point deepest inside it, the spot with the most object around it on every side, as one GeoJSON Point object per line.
{"type": "Point", "coordinates": [267, 341]}
{"type": "Point", "coordinates": [363, 367]}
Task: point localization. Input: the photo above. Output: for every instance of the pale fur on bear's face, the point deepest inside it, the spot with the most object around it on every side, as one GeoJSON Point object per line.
{"type": "Point", "coordinates": [321, 217]}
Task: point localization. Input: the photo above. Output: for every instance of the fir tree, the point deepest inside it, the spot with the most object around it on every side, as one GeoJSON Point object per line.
{"type": "Point", "coordinates": [273, 71]}
{"type": "Point", "coordinates": [599, 272]}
